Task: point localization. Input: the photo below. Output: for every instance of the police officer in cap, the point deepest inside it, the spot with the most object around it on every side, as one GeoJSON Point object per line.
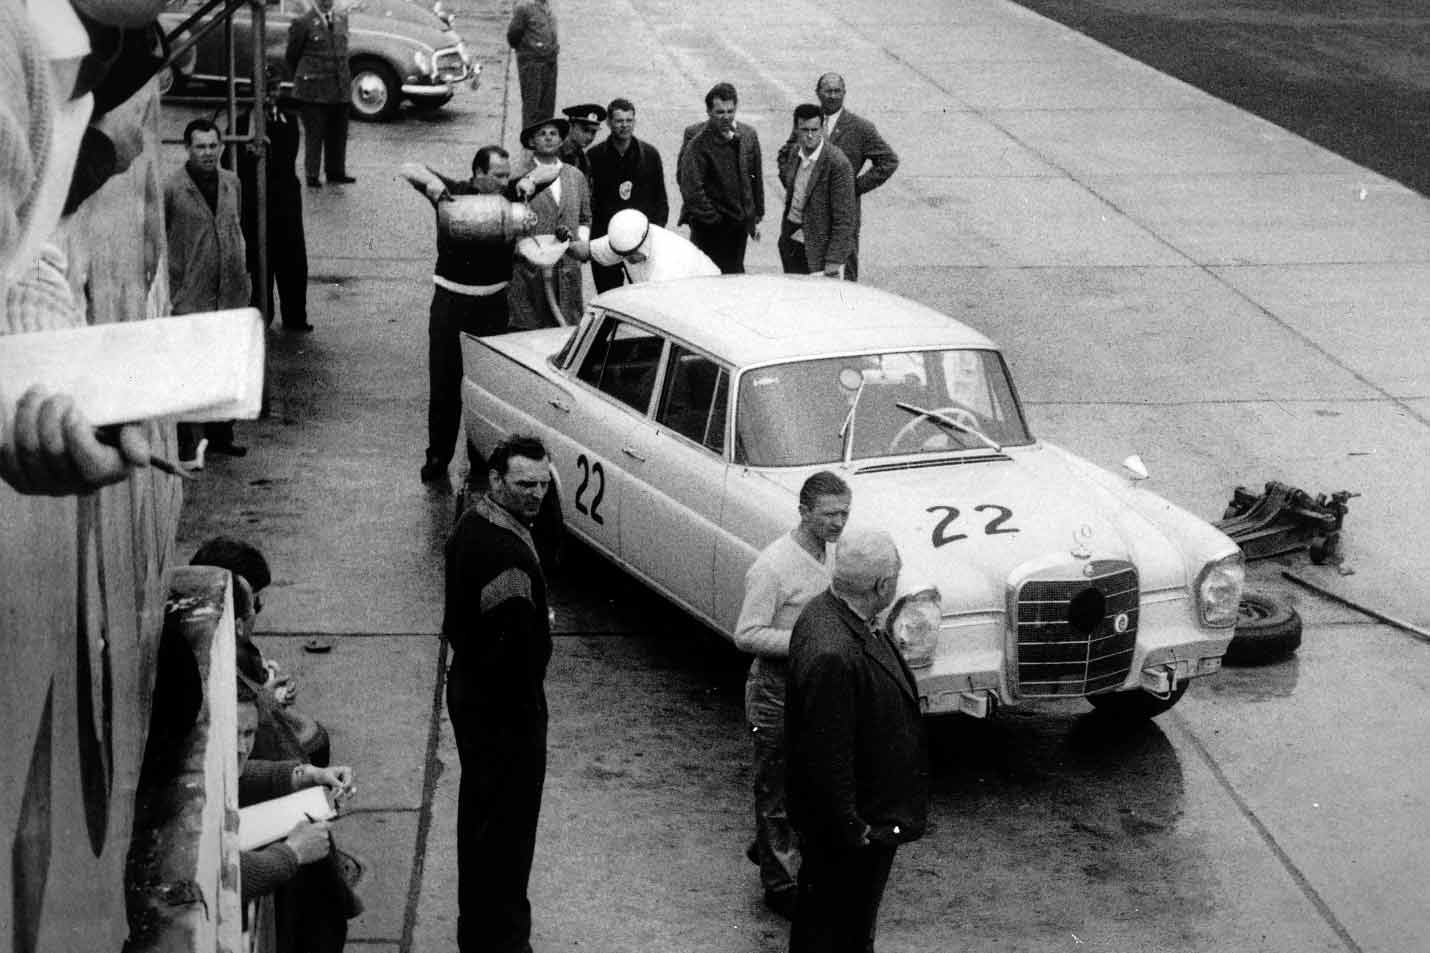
{"type": "Point", "coordinates": [585, 120]}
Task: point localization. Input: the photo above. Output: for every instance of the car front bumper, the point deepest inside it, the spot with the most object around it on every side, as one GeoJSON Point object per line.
{"type": "Point", "coordinates": [971, 672]}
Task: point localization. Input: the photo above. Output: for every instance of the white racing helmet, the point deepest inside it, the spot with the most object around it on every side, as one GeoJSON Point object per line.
{"type": "Point", "coordinates": [628, 231]}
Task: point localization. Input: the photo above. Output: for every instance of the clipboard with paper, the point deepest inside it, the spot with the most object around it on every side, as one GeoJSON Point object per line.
{"type": "Point", "coordinates": [267, 821]}
{"type": "Point", "coordinates": [197, 367]}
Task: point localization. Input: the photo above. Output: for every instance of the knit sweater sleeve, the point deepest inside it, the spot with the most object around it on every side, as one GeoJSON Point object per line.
{"type": "Point", "coordinates": [265, 780]}
{"type": "Point", "coordinates": [263, 871]}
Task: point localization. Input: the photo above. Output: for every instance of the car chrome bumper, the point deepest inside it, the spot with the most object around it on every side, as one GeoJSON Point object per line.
{"type": "Point", "coordinates": [428, 90]}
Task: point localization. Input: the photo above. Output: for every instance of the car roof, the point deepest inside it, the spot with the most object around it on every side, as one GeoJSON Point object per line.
{"type": "Point", "coordinates": [756, 319]}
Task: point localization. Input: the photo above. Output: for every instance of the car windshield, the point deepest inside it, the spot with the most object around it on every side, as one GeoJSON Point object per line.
{"type": "Point", "coordinates": [794, 414]}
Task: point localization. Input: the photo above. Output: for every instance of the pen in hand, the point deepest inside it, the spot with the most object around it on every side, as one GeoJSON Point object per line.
{"type": "Point", "coordinates": [110, 438]}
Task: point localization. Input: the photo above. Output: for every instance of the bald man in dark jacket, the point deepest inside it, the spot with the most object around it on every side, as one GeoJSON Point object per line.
{"type": "Point", "coordinates": [857, 783]}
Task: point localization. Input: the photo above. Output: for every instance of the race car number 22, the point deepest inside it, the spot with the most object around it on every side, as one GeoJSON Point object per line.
{"type": "Point", "coordinates": [995, 525]}
{"type": "Point", "coordinates": [593, 478]}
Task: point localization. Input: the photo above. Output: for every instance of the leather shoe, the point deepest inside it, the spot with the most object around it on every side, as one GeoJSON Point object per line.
{"type": "Point", "coordinates": [781, 902]}
{"type": "Point", "coordinates": [341, 180]}
{"type": "Point", "coordinates": [314, 182]}
{"type": "Point", "coordinates": [433, 470]}
{"type": "Point", "coordinates": [229, 449]}
{"type": "Point", "coordinates": [303, 328]}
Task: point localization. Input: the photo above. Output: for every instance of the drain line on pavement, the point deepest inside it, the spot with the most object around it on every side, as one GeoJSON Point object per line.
{"type": "Point", "coordinates": [1302, 882]}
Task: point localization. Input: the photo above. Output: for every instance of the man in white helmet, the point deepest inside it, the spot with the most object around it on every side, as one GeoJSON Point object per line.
{"type": "Point", "coordinates": [648, 252]}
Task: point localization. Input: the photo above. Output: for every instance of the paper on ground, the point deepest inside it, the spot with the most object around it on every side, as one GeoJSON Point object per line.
{"type": "Point", "coordinates": [267, 821]}
{"type": "Point", "coordinates": [197, 367]}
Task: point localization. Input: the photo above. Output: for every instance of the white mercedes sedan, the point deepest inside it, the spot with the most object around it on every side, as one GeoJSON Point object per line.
{"type": "Point", "coordinates": [683, 416]}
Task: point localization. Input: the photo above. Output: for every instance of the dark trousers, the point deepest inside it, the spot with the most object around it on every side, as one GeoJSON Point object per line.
{"type": "Point", "coordinates": [851, 264]}
{"type": "Point", "coordinates": [453, 315]}
{"type": "Point", "coordinates": [839, 894]}
{"type": "Point", "coordinates": [325, 139]}
{"type": "Point", "coordinates": [287, 258]}
{"type": "Point", "coordinates": [503, 758]}
{"type": "Point", "coordinates": [538, 88]}
{"type": "Point", "coordinates": [607, 277]}
{"type": "Point", "coordinates": [724, 243]}
{"type": "Point", "coordinates": [217, 433]}
{"type": "Point", "coordinates": [792, 256]}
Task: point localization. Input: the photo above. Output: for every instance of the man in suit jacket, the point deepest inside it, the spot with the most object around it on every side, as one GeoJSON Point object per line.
{"type": "Point", "coordinates": [817, 231]}
{"type": "Point", "coordinates": [861, 144]}
{"type": "Point", "coordinates": [317, 55]}
{"type": "Point", "coordinates": [857, 782]}
{"type": "Point", "coordinates": [564, 208]}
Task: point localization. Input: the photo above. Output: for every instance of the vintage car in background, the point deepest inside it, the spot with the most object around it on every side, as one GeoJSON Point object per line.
{"type": "Point", "coordinates": [399, 51]}
{"type": "Point", "coordinates": [682, 418]}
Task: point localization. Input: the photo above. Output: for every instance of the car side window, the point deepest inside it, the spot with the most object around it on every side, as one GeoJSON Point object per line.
{"type": "Point", "coordinates": [694, 398]}
{"type": "Point", "coordinates": [622, 361]}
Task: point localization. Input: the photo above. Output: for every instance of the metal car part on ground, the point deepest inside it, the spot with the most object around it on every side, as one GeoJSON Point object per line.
{"type": "Point", "coordinates": [1284, 519]}
{"type": "Point", "coordinates": [683, 416]}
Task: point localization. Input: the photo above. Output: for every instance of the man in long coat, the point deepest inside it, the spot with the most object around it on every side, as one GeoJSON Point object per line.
{"type": "Point", "coordinates": [858, 775]}
{"type": "Point", "coordinates": [563, 208]}
{"type": "Point", "coordinates": [208, 260]}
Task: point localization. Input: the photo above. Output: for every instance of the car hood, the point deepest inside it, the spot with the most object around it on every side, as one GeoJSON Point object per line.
{"type": "Point", "coordinates": [417, 21]}
{"type": "Point", "coordinates": [969, 526]}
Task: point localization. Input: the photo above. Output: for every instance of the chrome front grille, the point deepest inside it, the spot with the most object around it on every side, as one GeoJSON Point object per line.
{"type": "Point", "coordinates": [449, 66]}
{"type": "Point", "coordinates": [1077, 628]}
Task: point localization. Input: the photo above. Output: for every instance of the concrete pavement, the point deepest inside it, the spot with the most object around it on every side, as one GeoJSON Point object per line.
{"type": "Point", "coordinates": [1052, 193]}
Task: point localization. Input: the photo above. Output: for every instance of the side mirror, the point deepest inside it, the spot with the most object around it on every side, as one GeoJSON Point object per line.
{"type": "Point", "coordinates": [1136, 469]}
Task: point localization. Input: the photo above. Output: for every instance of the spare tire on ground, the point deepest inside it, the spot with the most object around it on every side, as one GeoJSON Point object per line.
{"type": "Point", "coordinates": [1267, 629]}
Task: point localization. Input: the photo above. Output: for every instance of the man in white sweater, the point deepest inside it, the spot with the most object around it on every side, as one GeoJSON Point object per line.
{"type": "Point", "coordinates": [787, 574]}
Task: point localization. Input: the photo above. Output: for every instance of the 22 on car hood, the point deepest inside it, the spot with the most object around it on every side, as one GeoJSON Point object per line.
{"type": "Point", "coordinates": [967, 526]}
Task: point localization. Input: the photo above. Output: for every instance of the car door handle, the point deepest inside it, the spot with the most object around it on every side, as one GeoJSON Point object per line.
{"type": "Point", "coordinates": [632, 454]}
{"type": "Point", "coordinates": [565, 408]}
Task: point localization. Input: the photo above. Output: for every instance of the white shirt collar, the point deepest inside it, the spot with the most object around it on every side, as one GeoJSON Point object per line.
{"type": "Point", "coordinates": [806, 160]}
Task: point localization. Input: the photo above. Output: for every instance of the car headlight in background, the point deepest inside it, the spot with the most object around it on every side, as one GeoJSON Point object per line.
{"type": "Point", "coordinates": [1219, 590]}
{"type": "Point", "coordinates": [423, 59]}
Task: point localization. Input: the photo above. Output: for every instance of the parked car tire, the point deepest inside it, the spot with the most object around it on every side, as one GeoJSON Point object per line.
{"type": "Point", "coordinates": [376, 91]}
{"type": "Point", "coordinates": [1135, 705]}
{"type": "Point", "coordinates": [1266, 630]}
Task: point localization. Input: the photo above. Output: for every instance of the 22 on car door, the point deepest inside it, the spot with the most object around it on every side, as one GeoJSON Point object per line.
{"type": "Point", "coordinates": [673, 499]}
{"type": "Point", "coordinates": [620, 366]}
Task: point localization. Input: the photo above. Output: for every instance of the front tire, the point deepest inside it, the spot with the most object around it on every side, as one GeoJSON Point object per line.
{"type": "Point", "coordinates": [375, 91]}
{"type": "Point", "coordinates": [1135, 706]}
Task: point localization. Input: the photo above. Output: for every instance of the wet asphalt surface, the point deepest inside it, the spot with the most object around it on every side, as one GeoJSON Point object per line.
{"type": "Point", "coordinates": [1267, 812]}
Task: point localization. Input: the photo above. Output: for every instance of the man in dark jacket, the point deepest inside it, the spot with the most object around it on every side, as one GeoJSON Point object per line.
{"type": "Point", "coordinates": [470, 293]}
{"type": "Point", "coordinates": [857, 783]}
{"type": "Point", "coordinates": [817, 230]}
{"type": "Point", "coordinates": [532, 34]}
{"type": "Point", "coordinates": [625, 173]}
{"type": "Point", "coordinates": [722, 184]}
{"type": "Point", "coordinates": [585, 122]}
{"type": "Point", "coordinates": [317, 55]}
{"type": "Point", "coordinates": [497, 624]}
{"type": "Point", "coordinates": [287, 246]}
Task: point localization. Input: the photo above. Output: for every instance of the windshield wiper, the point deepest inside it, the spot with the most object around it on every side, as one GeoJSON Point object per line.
{"type": "Point", "coordinates": [846, 432]}
{"type": "Point", "coordinates": [950, 423]}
